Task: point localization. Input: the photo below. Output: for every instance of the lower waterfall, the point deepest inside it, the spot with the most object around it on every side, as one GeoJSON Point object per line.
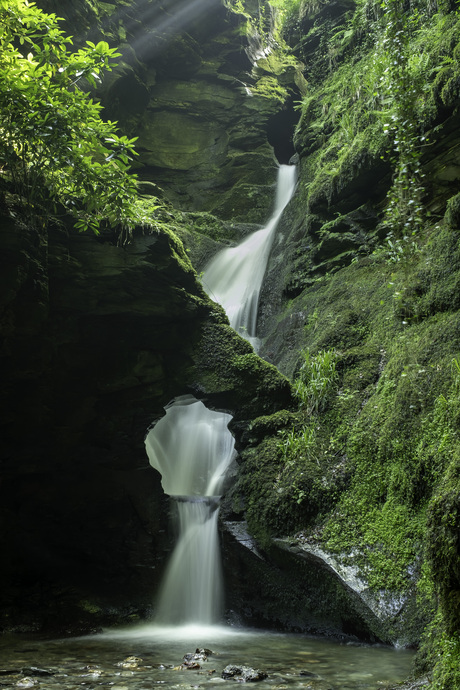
{"type": "Point", "coordinates": [192, 448]}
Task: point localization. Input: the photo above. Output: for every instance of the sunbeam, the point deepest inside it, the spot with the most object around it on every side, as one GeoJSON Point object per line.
{"type": "Point", "coordinates": [177, 18]}
{"type": "Point", "coordinates": [147, 22]}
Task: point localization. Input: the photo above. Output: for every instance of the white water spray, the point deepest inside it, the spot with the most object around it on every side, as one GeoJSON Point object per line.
{"type": "Point", "coordinates": [192, 448]}
{"type": "Point", "coordinates": [234, 277]}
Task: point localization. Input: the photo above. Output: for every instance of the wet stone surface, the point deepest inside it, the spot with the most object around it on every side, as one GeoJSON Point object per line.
{"type": "Point", "coordinates": [269, 660]}
{"type": "Point", "coordinates": [243, 674]}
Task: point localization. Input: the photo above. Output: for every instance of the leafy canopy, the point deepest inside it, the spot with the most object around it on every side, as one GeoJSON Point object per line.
{"type": "Point", "coordinates": [55, 150]}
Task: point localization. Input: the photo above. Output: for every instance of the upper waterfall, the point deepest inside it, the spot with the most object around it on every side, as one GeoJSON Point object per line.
{"type": "Point", "coordinates": [234, 277]}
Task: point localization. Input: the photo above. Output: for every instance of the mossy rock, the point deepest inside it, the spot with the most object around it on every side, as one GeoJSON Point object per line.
{"type": "Point", "coordinates": [179, 142]}
{"type": "Point", "coordinates": [443, 543]}
{"type": "Point", "coordinates": [211, 101]}
{"type": "Point", "coordinates": [249, 385]}
{"type": "Point", "coordinates": [452, 215]}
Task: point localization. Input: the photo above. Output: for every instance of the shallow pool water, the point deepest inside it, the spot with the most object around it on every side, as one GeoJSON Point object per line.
{"type": "Point", "coordinates": [145, 657]}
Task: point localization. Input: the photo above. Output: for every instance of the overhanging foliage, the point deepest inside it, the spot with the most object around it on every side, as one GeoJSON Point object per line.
{"type": "Point", "coordinates": [56, 153]}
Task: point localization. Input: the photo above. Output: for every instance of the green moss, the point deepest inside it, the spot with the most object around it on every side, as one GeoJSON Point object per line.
{"type": "Point", "coordinates": [90, 607]}
{"type": "Point", "coordinates": [206, 224]}
{"type": "Point", "coordinates": [452, 215]}
{"type": "Point", "coordinates": [443, 541]}
{"type": "Point", "coordinates": [436, 286]}
{"type": "Point", "coordinates": [252, 366]}
{"type": "Point", "coordinates": [227, 364]}
{"type": "Point", "coordinates": [440, 655]}
{"type": "Point", "coordinates": [396, 448]}
{"type": "Point", "coordinates": [376, 472]}
{"type": "Point", "coordinates": [269, 87]}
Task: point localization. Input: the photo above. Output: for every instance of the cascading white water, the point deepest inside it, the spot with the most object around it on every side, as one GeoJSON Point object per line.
{"type": "Point", "coordinates": [192, 448]}
{"type": "Point", "coordinates": [191, 592]}
{"type": "Point", "coordinates": [234, 277]}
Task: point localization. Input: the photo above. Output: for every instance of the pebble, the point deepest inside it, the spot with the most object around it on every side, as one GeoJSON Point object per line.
{"type": "Point", "coordinates": [131, 662]}
{"type": "Point", "coordinates": [244, 674]}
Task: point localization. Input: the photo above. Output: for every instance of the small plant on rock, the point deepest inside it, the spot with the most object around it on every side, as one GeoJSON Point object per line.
{"type": "Point", "coordinates": [316, 380]}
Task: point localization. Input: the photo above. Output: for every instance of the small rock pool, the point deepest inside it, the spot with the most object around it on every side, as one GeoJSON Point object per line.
{"type": "Point", "coordinates": [195, 658]}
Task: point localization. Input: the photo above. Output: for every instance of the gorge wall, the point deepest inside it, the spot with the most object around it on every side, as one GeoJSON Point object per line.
{"type": "Point", "coordinates": [97, 338]}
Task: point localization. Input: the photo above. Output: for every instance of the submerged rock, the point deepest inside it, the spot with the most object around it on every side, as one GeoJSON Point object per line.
{"type": "Point", "coordinates": [203, 650]}
{"type": "Point", "coordinates": [130, 663]}
{"type": "Point", "coordinates": [244, 674]}
{"type": "Point", "coordinates": [198, 656]}
{"type": "Point", "coordinates": [308, 674]}
{"type": "Point", "coordinates": [317, 684]}
{"type": "Point", "coordinates": [191, 665]}
{"type": "Point", "coordinates": [92, 671]}
{"type": "Point", "coordinates": [34, 671]}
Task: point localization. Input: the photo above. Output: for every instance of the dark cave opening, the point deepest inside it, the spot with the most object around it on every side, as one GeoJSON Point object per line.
{"type": "Point", "coordinates": [280, 132]}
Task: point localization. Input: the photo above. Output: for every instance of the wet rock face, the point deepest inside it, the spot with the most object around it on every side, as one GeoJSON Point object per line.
{"type": "Point", "coordinates": [84, 372]}
{"type": "Point", "coordinates": [187, 85]}
{"type": "Point", "coordinates": [280, 588]}
{"type": "Point", "coordinates": [202, 119]}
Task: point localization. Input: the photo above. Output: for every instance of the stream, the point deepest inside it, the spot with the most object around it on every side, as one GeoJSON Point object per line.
{"type": "Point", "coordinates": [145, 657]}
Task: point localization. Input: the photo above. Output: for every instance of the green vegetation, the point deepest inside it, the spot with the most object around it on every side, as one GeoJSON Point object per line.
{"type": "Point", "coordinates": [286, 7]}
{"type": "Point", "coordinates": [373, 96]}
{"type": "Point", "coordinates": [57, 155]}
{"type": "Point", "coordinates": [297, 451]}
{"type": "Point", "coordinates": [264, 27]}
{"type": "Point", "coordinates": [372, 475]}
{"type": "Point", "coordinates": [403, 212]}
{"type": "Point", "coordinates": [316, 380]}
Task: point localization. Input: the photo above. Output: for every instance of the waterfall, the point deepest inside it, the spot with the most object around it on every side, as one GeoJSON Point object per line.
{"type": "Point", "coordinates": [192, 448]}
{"type": "Point", "coordinates": [234, 277]}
